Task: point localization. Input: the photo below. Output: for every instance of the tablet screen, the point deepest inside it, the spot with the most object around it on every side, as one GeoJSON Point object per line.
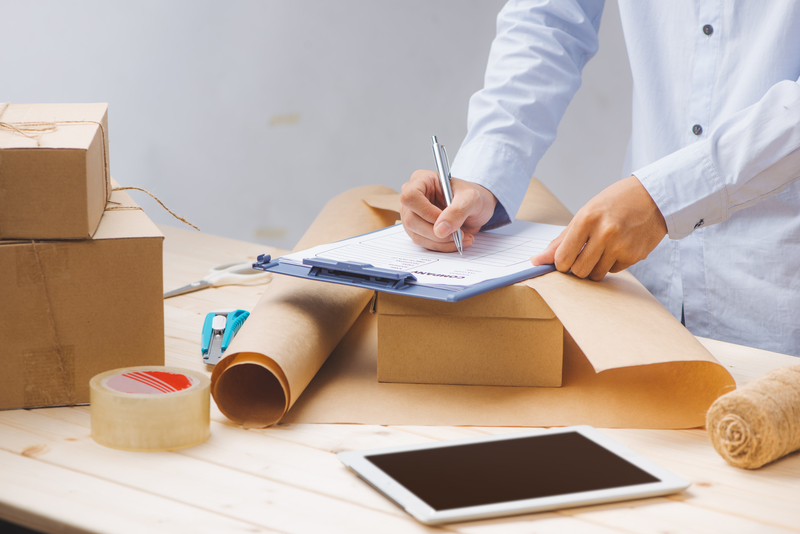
{"type": "Point", "coordinates": [509, 470]}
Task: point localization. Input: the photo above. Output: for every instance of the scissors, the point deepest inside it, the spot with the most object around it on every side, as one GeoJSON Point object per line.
{"type": "Point", "coordinates": [239, 273]}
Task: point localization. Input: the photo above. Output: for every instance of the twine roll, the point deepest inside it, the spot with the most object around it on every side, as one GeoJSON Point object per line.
{"type": "Point", "coordinates": [760, 422]}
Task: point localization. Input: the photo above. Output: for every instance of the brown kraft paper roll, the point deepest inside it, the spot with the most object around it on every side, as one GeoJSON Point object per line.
{"type": "Point", "coordinates": [296, 324]}
{"type": "Point", "coordinates": [760, 422]}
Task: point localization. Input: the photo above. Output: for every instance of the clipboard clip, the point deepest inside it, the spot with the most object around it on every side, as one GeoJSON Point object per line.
{"type": "Point", "coordinates": [352, 273]}
{"type": "Point", "coordinates": [363, 274]}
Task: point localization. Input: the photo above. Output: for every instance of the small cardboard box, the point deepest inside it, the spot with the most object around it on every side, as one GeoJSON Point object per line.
{"type": "Point", "coordinates": [507, 337]}
{"type": "Point", "coordinates": [73, 309]}
{"type": "Point", "coordinates": [54, 170]}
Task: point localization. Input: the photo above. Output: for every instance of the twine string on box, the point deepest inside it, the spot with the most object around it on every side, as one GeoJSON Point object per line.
{"type": "Point", "coordinates": [118, 206]}
{"type": "Point", "coordinates": [37, 129]}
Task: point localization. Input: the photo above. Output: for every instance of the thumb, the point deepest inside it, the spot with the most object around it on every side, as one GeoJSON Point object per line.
{"type": "Point", "coordinates": [548, 255]}
{"type": "Point", "coordinates": [453, 217]}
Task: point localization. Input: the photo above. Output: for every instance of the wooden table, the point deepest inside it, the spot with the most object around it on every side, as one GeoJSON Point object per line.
{"type": "Point", "coordinates": [55, 478]}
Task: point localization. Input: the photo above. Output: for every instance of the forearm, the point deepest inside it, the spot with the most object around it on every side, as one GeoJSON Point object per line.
{"type": "Point", "coordinates": [534, 70]}
{"type": "Point", "coordinates": [750, 156]}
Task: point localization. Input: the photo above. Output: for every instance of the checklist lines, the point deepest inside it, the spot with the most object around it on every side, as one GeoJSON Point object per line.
{"type": "Point", "coordinates": [489, 249]}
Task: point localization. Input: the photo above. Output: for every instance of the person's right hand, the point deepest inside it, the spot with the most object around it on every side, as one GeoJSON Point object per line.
{"type": "Point", "coordinates": [429, 224]}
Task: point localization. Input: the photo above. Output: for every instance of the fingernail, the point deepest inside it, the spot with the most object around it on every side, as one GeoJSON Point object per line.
{"type": "Point", "coordinates": [442, 229]}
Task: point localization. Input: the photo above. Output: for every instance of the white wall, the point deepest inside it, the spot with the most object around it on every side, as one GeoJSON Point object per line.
{"type": "Point", "coordinates": [246, 116]}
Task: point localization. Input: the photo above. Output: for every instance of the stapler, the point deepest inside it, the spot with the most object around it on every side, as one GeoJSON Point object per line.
{"type": "Point", "coordinates": [219, 328]}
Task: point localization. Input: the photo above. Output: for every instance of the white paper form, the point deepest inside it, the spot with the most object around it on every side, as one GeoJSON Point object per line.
{"type": "Point", "coordinates": [494, 254]}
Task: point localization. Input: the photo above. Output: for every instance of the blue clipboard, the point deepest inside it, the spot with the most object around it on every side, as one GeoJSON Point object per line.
{"type": "Point", "coordinates": [366, 276]}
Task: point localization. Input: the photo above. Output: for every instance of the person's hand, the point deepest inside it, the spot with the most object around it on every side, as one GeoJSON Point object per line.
{"type": "Point", "coordinates": [429, 224]}
{"type": "Point", "coordinates": [614, 230]}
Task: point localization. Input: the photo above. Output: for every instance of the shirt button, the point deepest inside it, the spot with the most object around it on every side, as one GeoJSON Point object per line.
{"type": "Point", "coordinates": [697, 129]}
{"type": "Point", "coordinates": [708, 29]}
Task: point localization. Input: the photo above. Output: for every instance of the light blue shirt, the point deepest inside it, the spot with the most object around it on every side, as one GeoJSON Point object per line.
{"type": "Point", "coordinates": [715, 141]}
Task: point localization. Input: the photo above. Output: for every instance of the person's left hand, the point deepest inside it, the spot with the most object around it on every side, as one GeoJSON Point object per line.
{"type": "Point", "coordinates": [614, 230]}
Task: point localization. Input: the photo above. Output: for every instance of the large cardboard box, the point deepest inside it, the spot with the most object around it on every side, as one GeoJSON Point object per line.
{"type": "Point", "coordinates": [54, 170]}
{"type": "Point", "coordinates": [507, 337]}
{"type": "Point", "coordinates": [72, 309]}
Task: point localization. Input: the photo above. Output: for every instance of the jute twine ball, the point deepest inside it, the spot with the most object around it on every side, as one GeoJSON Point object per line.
{"type": "Point", "coordinates": [760, 422]}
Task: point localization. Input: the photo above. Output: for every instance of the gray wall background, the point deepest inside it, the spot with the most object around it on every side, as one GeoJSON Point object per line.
{"type": "Point", "coordinates": [247, 116]}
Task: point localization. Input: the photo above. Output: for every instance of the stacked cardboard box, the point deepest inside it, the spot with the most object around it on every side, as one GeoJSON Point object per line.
{"type": "Point", "coordinates": [81, 290]}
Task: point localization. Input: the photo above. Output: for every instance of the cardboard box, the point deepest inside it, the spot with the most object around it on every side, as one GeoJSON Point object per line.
{"type": "Point", "coordinates": [507, 337]}
{"type": "Point", "coordinates": [54, 173]}
{"type": "Point", "coordinates": [72, 309]}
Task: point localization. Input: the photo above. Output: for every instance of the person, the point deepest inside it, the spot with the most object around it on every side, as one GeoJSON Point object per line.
{"type": "Point", "coordinates": [708, 214]}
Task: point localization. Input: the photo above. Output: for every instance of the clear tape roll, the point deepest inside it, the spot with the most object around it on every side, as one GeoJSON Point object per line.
{"type": "Point", "coordinates": [150, 408]}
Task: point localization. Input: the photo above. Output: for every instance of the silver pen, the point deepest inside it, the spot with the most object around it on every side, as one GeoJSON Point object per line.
{"type": "Point", "coordinates": [443, 167]}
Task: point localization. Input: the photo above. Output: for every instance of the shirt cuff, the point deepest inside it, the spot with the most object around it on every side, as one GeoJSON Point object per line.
{"type": "Point", "coordinates": [495, 167]}
{"type": "Point", "coordinates": [499, 218]}
{"type": "Point", "coordinates": [687, 189]}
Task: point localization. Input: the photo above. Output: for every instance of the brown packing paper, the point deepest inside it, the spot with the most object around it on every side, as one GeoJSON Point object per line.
{"type": "Point", "coordinates": [54, 170]}
{"type": "Point", "coordinates": [298, 323]}
{"type": "Point", "coordinates": [73, 309]}
{"type": "Point", "coordinates": [627, 362]}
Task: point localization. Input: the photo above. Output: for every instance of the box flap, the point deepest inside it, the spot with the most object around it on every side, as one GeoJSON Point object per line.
{"type": "Point", "coordinates": [515, 301]}
{"type": "Point", "coordinates": [59, 125]}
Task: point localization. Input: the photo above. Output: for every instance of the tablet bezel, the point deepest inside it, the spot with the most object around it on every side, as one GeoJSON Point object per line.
{"type": "Point", "coordinates": [378, 479]}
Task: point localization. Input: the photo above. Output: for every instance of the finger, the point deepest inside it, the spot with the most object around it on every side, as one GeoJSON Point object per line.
{"type": "Point", "coordinates": [466, 202]}
{"type": "Point", "coordinates": [619, 266]}
{"type": "Point", "coordinates": [547, 256]}
{"type": "Point", "coordinates": [421, 233]}
{"type": "Point", "coordinates": [601, 269]}
{"type": "Point", "coordinates": [571, 246]}
{"type": "Point", "coordinates": [467, 240]}
{"type": "Point", "coordinates": [416, 225]}
{"type": "Point", "coordinates": [447, 245]}
{"type": "Point", "coordinates": [587, 258]}
{"type": "Point", "coordinates": [419, 194]}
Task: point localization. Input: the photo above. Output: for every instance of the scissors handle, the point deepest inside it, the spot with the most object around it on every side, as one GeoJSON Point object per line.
{"type": "Point", "coordinates": [239, 273]}
{"type": "Point", "coordinates": [234, 274]}
{"type": "Point", "coordinates": [194, 286]}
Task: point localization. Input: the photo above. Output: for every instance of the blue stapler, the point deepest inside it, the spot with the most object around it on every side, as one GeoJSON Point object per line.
{"type": "Point", "coordinates": [218, 330]}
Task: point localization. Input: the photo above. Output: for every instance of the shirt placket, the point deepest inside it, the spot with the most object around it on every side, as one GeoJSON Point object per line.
{"type": "Point", "coordinates": [698, 126]}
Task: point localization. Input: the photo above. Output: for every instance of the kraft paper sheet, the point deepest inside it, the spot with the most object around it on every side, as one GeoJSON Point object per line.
{"type": "Point", "coordinates": [644, 370]}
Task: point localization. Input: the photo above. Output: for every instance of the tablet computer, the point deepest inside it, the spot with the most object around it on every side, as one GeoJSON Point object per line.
{"type": "Point", "coordinates": [494, 476]}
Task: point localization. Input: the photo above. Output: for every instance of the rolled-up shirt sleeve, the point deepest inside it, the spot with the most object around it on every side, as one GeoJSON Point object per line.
{"type": "Point", "coordinates": [533, 72]}
{"type": "Point", "coordinates": [748, 157]}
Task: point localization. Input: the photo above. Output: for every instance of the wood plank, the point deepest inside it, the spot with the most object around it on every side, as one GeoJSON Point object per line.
{"type": "Point", "coordinates": [745, 363]}
{"type": "Point", "coordinates": [49, 498]}
{"type": "Point", "coordinates": [181, 478]}
{"type": "Point", "coordinates": [655, 516]}
{"type": "Point", "coordinates": [262, 452]}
